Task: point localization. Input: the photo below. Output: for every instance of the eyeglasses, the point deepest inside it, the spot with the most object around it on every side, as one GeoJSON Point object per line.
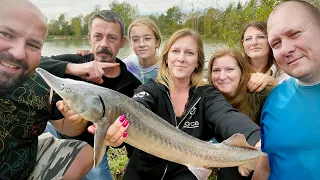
{"type": "Point", "coordinates": [145, 39]}
{"type": "Point", "coordinates": [258, 38]}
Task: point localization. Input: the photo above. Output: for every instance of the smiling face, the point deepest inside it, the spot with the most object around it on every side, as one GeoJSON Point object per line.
{"type": "Point", "coordinates": [143, 41]}
{"type": "Point", "coordinates": [21, 41]}
{"type": "Point", "coordinates": [183, 58]}
{"type": "Point", "coordinates": [105, 39]}
{"type": "Point", "coordinates": [255, 43]}
{"type": "Point", "coordinates": [226, 75]}
{"type": "Point", "coordinates": [295, 42]}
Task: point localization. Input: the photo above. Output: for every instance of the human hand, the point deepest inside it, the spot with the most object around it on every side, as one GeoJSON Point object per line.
{"type": "Point", "coordinates": [116, 133]}
{"type": "Point", "coordinates": [258, 81]}
{"type": "Point", "coordinates": [84, 52]}
{"type": "Point", "coordinates": [90, 71]}
{"type": "Point", "coordinates": [69, 114]}
{"type": "Point", "coordinates": [245, 170]}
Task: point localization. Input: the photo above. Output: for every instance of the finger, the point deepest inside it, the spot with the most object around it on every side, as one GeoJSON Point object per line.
{"type": "Point", "coordinates": [92, 129]}
{"type": "Point", "coordinates": [262, 86]}
{"type": "Point", "coordinates": [120, 140]}
{"type": "Point", "coordinates": [108, 65]}
{"type": "Point", "coordinates": [118, 134]}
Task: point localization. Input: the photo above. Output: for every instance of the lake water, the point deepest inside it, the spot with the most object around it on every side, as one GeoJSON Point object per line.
{"type": "Point", "coordinates": [56, 47]}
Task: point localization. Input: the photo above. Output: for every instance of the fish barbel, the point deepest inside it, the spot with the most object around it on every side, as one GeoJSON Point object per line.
{"type": "Point", "coordinates": [147, 131]}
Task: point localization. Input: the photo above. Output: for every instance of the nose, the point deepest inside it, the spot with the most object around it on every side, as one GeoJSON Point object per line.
{"type": "Point", "coordinates": [254, 40]}
{"type": "Point", "coordinates": [104, 42]}
{"type": "Point", "coordinates": [287, 47]}
{"type": "Point", "coordinates": [18, 51]}
{"type": "Point", "coordinates": [222, 75]}
{"type": "Point", "coordinates": [181, 57]}
{"type": "Point", "coordinates": [141, 43]}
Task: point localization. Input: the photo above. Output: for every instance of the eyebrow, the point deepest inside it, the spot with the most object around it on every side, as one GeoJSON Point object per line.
{"type": "Point", "coordinates": [19, 34]}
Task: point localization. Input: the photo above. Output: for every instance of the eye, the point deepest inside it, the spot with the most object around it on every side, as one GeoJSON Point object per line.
{"type": "Point", "coordinates": [246, 39]}
{"type": "Point", "coordinates": [147, 38]}
{"type": "Point", "coordinates": [261, 36]}
{"type": "Point", "coordinates": [112, 38]}
{"type": "Point", "coordinates": [190, 53]}
{"type": "Point", "coordinates": [230, 69]}
{"type": "Point", "coordinates": [34, 46]}
{"type": "Point", "coordinates": [295, 34]}
{"type": "Point", "coordinates": [275, 44]}
{"type": "Point", "coordinates": [135, 40]}
{"type": "Point", "coordinates": [215, 70]}
{"type": "Point", "coordinates": [68, 90]}
{"type": "Point", "coordinates": [6, 35]}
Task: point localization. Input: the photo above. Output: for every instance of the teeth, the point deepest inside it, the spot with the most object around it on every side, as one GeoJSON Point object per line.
{"type": "Point", "coordinates": [9, 65]}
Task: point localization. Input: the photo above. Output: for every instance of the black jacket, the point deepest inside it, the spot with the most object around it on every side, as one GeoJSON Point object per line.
{"type": "Point", "coordinates": [207, 115]}
{"type": "Point", "coordinates": [125, 83]}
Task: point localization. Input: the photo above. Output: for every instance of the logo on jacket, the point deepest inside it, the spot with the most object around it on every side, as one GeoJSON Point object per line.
{"type": "Point", "coordinates": [194, 124]}
{"type": "Point", "coordinates": [141, 95]}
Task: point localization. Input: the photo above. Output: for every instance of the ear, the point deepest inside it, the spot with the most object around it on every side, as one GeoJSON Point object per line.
{"type": "Point", "coordinates": [157, 43]}
{"type": "Point", "coordinates": [89, 39]}
{"type": "Point", "coordinates": [123, 42]}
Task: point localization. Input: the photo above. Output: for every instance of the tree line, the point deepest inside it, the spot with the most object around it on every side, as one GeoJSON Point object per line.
{"type": "Point", "coordinates": [214, 22]}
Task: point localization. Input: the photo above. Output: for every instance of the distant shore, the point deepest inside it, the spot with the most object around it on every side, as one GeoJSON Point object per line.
{"type": "Point", "coordinates": [65, 37]}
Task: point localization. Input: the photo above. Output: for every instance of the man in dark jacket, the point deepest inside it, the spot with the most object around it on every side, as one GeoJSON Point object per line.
{"type": "Point", "coordinates": [102, 67]}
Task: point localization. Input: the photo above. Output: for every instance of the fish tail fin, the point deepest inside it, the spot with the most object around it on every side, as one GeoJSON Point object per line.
{"type": "Point", "coordinates": [199, 172]}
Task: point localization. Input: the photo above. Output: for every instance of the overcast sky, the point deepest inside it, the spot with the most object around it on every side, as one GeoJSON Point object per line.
{"type": "Point", "coordinates": [53, 8]}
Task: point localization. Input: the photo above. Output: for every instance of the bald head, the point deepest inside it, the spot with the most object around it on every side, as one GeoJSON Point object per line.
{"type": "Point", "coordinates": [18, 5]}
{"type": "Point", "coordinates": [309, 10]}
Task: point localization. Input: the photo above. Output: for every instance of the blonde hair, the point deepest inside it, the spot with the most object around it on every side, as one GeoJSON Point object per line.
{"type": "Point", "coordinates": [196, 77]}
{"type": "Point", "coordinates": [150, 24]}
{"type": "Point", "coordinates": [249, 103]}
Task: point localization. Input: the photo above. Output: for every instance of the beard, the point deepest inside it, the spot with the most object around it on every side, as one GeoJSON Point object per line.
{"type": "Point", "coordinates": [9, 80]}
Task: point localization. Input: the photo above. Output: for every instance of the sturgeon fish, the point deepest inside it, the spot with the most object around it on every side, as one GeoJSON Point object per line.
{"type": "Point", "coordinates": [147, 131]}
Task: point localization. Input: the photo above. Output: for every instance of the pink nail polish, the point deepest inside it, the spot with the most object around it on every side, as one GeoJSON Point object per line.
{"type": "Point", "coordinates": [125, 124]}
{"type": "Point", "coordinates": [125, 134]}
{"type": "Point", "coordinates": [122, 118]}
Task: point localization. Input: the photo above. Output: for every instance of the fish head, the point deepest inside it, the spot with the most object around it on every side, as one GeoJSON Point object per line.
{"type": "Point", "coordinates": [79, 95]}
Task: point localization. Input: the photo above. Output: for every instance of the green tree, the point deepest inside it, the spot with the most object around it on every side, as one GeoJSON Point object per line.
{"type": "Point", "coordinates": [127, 11]}
{"type": "Point", "coordinates": [76, 25]}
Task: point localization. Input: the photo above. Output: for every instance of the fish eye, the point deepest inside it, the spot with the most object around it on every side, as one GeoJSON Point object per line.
{"type": "Point", "coordinates": [68, 90]}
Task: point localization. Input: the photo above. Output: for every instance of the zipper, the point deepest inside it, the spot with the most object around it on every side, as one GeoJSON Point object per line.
{"type": "Point", "coordinates": [165, 171]}
{"type": "Point", "coordinates": [175, 116]}
{"type": "Point", "coordinates": [189, 112]}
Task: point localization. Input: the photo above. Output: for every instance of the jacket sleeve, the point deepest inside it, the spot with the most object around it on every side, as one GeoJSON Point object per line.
{"type": "Point", "coordinates": [226, 120]}
{"type": "Point", "coordinates": [57, 65]}
{"type": "Point", "coordinates": [146, 95]}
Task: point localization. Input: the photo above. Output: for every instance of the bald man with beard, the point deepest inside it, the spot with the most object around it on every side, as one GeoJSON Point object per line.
{"type": "Point", "coordinates": [26, 153]}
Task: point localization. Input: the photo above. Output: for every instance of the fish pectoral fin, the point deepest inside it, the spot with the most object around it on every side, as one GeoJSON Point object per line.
{"type": "Point", "coordinates": [99, 143]}
{"type": "Point", "coordinates": [199, 172]}
{"type": "Point", "coordinates": [238, 140]}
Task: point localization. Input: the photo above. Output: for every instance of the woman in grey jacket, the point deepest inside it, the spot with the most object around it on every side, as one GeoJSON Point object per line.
{"type": "Point", "coordinates": [180, 96]}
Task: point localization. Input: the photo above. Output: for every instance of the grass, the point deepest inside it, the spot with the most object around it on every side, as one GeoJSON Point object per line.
{"type": "Point", "coordinates": [117, 158]}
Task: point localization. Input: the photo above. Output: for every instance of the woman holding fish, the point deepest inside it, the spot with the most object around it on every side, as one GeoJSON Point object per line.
{"type": "Point", "coordinates": [179, 96]}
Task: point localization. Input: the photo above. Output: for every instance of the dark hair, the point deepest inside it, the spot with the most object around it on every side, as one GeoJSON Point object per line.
{"type": "Point", "coordinates": [108, 15]}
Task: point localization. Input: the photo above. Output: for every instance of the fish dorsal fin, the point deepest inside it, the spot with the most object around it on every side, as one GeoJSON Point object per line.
{"type": "Point", "coordinates": [238, 140]}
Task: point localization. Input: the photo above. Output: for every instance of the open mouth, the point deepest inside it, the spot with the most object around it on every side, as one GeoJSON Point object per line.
{"type": "Point", "coordinates": [9, 65]}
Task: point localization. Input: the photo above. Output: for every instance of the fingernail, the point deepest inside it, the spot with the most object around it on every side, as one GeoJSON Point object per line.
{"type": "Point", "coordinates": [122, 118]}
{"type": "Point", "coordinates": [125, 134]}
{"type": "Point", "coordinates": [125, 124]}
